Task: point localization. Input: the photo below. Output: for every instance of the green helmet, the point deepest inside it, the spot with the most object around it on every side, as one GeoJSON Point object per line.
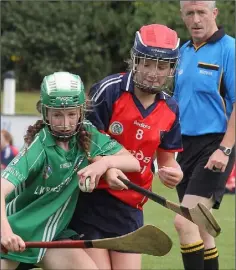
{"type": "Point", "coordinates": [61, 90]}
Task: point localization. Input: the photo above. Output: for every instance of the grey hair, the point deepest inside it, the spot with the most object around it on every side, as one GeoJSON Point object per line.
{"type": "Point", "coordinates": [211, 4]}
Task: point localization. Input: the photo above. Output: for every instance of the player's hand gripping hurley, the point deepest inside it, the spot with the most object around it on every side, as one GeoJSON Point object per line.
{"type": "Point", "coordinates": [199, 215]}
{"type": "Point", "coordinates": [147, 240]}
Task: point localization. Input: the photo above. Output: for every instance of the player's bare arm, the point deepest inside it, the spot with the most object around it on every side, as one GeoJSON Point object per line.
{"type": "Point", "coordinates": [9, 240]}
{"type": "Point", "coordinates": [111, 175]}
{"type": "Point", "coordinates": [123, 161]}
{"type": "Point", "coordinates": [229, 137]}
{"type": "Point", "coordinates": [169, 170]}
{"type": "Point", "coordinates": [123, 152]}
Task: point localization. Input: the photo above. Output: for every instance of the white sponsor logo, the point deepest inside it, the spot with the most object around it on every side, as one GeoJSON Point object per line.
{"type": "Point", "coordinates": [144, 161]}
{"type": "Point", "coordinates": [158, 51]}
{"type": "Point", "coordinates": [14, 172]}
{"type": "Point", "coordinates": [65, 99]}
{"type": "Point", "coordinates": [18, 157]}
{"type": "Point", "coordinates": [142, 125]}
{"type": "Point", "coordinates": [66, 165]}
{"type": "Point", "coordinates": [44, 189]}
{"type": "Point", "coordinates": [111, 145]}
{"type": "Point", "coordinates": [205, 72]}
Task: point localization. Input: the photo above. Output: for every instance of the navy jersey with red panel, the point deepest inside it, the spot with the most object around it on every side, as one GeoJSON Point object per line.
{"type": "Point", "coordinates": [117, 112]}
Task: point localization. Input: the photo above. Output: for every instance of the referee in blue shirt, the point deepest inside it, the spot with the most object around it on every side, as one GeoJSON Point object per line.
{"type": "Point", "coordinates": [205, 91]}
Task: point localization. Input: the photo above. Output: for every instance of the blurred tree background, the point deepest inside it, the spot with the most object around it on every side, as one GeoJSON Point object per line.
{"type": "Point", "coordinates": [91, 39]}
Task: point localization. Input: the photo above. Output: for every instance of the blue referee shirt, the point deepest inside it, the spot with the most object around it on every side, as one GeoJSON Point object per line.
{"type": "Point", "coordinates": [205, 85]}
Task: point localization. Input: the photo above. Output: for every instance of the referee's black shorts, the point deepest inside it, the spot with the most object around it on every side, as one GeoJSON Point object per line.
{"type": "Point", "coordinates": [197, 180]}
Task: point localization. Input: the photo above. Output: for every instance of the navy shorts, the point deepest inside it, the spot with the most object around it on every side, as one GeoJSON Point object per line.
{"type": "Point", "coordinates": [197, 180]}
{"type": "Point", "coordinates": [100, 215]}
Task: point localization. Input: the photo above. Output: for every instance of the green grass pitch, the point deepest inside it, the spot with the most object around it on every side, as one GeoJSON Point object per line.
{"type": "Point", "coordinates": [163, 218]}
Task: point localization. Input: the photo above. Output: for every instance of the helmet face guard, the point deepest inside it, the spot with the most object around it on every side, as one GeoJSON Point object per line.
{"type": "Point", "coordinates": [158, 46]}
{"type": "Point", "coordinates": [63, 131]}
{"type": "Point", "coordinates": [62, 93]}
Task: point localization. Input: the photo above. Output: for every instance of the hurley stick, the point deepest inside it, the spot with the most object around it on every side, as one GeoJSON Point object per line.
{"type": "Point", "coordinates": [200, 215]}
{"type": "Point", "coordinates": [147, 240]}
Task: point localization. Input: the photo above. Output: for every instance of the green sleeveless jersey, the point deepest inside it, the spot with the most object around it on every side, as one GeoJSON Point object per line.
{"type": "Point", "coordinates": [43, 202]}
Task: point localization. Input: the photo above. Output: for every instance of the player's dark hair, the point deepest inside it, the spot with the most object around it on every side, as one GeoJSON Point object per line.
{"type": "Point", "coordinates": [32, 131]}
{"type": "Point", "coordinates": [83, 136]}
{"type": "Point", "coordinates": [129, 63]}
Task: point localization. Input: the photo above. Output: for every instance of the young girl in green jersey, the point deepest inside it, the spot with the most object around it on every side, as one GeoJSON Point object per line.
{"type": "Point", "coordinates": [39, 188]}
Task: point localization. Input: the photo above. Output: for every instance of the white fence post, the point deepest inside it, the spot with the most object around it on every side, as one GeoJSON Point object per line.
{"type": "Point", "coordinates": [9, 93]}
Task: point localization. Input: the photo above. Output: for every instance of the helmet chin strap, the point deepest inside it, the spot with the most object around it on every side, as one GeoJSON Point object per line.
{"type": "Point", "coordinates": [146, 89]}
{"type": "Point", "coordinates": [63, 138]}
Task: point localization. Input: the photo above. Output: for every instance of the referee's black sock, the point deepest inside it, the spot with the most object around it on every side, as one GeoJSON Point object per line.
{"type": "Point", "coordinates": [193, 256]}
{"type": "Point", "coordinates": [211, 261]}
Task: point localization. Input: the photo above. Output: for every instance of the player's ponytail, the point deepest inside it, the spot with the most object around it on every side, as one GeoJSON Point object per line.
{"type": "Point", "coordinates": [84, 140]}
{"type": "Point", "coordinates": [32, 131]}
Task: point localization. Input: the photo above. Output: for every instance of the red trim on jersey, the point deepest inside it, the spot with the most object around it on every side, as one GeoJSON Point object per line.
{"type": "Point", "coordinates": [129, 196]}
{"type": "Point", "coordinates": [171, 150]}
{"type": "Point", "coordinates": [102, 131]}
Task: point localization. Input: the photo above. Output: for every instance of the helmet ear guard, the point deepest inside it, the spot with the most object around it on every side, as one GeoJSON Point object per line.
{"type": "Point", "coordinates": [39, 106]}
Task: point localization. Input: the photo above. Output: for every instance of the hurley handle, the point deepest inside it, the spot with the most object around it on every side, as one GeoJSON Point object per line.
{"type": "Point", "coordinates": [157, 198]}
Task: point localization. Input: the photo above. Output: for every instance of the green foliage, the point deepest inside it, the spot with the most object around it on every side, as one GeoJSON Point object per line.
{"type": "Point", "coordinates": [91, 39]}
{"type": "Point", "coordinates": [65, 35]}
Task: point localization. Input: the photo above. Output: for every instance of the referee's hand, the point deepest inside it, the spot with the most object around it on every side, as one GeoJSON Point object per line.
{"type": "Point", "coordinates": [217, 162]}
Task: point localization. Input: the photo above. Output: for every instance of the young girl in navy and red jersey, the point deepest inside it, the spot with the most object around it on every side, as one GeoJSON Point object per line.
{"type": "Point", "coordinates": [136, 109]}
{"type": "Point", "coordinates": [8, 151]}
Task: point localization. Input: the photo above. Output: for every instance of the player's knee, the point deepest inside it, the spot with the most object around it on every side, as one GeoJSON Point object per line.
{"type": "Point", "coordinates": [208, 240]}
{"type": "Point", "coordinates": [184, 226]}
{"type": "Point", "coordinates": [8, 264]}
{"type": "Point", "coordinates": [178, 223]}
{"type": "Point", "coordinates": [67, 259]}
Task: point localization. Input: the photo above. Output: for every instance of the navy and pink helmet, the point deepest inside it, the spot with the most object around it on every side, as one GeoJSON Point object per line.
{"type": "Point", "coordinates": [156, 41]}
